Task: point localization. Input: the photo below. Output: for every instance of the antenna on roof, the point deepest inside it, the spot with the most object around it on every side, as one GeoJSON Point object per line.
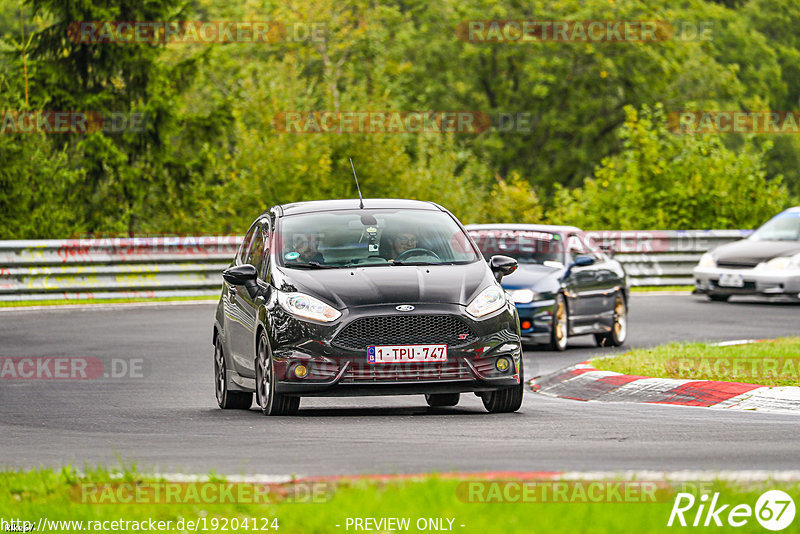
{"type": "Point", "coordinates": [360, 198]}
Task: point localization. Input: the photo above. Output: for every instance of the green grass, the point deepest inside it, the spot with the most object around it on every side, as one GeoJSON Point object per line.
{"type": "Point", "coordinates": [769, 363]}
{"type": "Point", "coordinates": [63, 302]}
{"type": "Point", "coordinates": [637, 289]}
{"type": "Point", "coordinates": [31, 495]}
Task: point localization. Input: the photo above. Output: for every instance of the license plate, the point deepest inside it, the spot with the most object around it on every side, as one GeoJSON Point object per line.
{"type": "Point", "coordinates": [406, 353]}
{"type": "Point", "coordinates": [731, 280]}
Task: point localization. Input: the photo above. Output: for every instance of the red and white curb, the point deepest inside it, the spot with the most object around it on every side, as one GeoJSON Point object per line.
{"type": "Point", "coordinates": [584, 382]}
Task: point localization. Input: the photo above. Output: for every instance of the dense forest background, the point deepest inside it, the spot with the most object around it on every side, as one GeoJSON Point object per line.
{"type": "Point", "coordinates": [598, 153]}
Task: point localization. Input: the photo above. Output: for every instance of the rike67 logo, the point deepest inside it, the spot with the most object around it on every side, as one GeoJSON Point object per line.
{"type": "Point", "coordinates": [774, 510]}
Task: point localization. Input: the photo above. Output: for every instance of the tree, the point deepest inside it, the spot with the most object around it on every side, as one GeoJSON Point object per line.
{"type": "Point", "coordinates": [662, 180]}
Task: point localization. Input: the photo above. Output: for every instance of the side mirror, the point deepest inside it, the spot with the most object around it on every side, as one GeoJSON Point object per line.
{"type": "Point", "coordinates": [502, 266]}
{"type": "Point", "coordinates": [580, 261]}
{"type": "Point", "coordinates": [241, 275]}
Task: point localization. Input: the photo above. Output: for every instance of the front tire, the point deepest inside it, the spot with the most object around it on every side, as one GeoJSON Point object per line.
{"type": "Point", "coordinates": [270, 402]}
{"type": "Point", "coordinates": [227, 399]}
{"type": "Point", "coordinates": [559, 329]}
{"type": "Point", "coordinates": [718, 298]}
{"type": "Point", "coordinates": [619, 330]}
{"type": "Point", "coordinates": [505, 400]}
{"type": "Point", "coordinates": [438, 400]}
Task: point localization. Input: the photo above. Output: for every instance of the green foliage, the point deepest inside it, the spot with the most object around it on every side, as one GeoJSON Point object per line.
{"type": "Point", "coordinates": [39, 190]}
{"type": "Point", "coordinates": [664, 180]}
{"type": "Point", "coordinates": [211, 157]}
{"type": "Point", "coordinates": [513, 201]}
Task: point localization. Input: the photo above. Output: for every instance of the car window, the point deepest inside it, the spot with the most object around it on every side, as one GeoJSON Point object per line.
{"type": "Point", "coordinates": [783, 227]}
{"type": "Point", "coordinates": [259, 248]}
{"type": "Point", "coordinates": [244, 247]}
{"type": "Point", "coordinates": [525, 246]}
{"type": "Point", "coordinates": [372, 238]}
{"type": "Point", "coordinates": [577, 247]}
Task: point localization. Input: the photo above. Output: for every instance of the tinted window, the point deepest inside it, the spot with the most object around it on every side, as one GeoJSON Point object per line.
{"type": "Point", "coordinates": [244, 248]}
{"type": "Point", "coordinates": [259, 248]}
{"type": "Point", "coordinates": [525, 246]}
{"type": "Point", "coordinates": [372, 237]}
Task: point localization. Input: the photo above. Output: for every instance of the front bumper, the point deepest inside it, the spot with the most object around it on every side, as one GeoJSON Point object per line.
{"type": "Point", "coordinates": [753, 281]}
{"type": "Point", "coordinates": [337, 371]}
{"type": "Point", "coordinates": [536, 321]}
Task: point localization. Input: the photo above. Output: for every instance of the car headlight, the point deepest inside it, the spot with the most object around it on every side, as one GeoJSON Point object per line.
{"type": "Point", "coordinates": [522, 296]}
{"type": "Point", "coordinates": [781, 263]}
{"type": "Point", "coordinates": [308, 307]}
{"type": "Point", "coordinates": [707, 260]}
{"type": "Point", "coordinates": [489, 300]}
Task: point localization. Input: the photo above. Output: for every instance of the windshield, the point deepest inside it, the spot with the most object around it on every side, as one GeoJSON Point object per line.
{"type": "Point", "coordinates": [782, 227]}
{"type": "Point", "coordinates": [525, 246]}
{"type": "Point", "coordinates": [372, 238]}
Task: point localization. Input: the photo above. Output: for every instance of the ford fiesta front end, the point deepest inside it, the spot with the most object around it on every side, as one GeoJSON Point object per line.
{"type": "Point", "coordinates": [330, 299]}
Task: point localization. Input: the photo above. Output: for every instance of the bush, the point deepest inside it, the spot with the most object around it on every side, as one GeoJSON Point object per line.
{"type": "Point", "coordinates": [673, 181]}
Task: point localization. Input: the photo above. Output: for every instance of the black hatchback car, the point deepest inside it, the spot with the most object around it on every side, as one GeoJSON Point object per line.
{"type": "Point", "coordinates": [329, 298]}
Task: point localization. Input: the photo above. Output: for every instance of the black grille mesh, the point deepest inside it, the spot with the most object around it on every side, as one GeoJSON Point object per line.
{"type": "Point", "coordinates": [404, 330]}
{"type": "Point", "coordinates": [737, 264]}
{"type": "Point", "coordinates": [408, 372]}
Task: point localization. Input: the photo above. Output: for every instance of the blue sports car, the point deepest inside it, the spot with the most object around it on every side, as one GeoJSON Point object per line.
{"type": "Point", "coordinates": [563, 287]}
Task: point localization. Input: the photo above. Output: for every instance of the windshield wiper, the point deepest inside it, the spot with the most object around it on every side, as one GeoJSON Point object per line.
{"type": "Point", "coordinates": [311, 265]}
{"type": "Point", "coordinates": [422, 263]}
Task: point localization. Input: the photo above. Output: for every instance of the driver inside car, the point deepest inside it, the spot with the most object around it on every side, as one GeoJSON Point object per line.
{"type": "Point", "coordinates": [305, 249]}
{"type": "Point", "coordinates": [401, 242]}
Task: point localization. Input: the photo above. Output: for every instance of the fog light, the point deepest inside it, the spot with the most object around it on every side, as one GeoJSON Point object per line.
{"type": "Point", "coordinates": [525, 325]}
{"type": "Point", "coordinates": [300, 371]}
{"type": "Point", "coordinates": [502, 364]}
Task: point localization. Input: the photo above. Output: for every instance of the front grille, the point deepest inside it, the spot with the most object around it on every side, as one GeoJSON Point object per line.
{"type": "Point", "coordinates": [405, 330]}
{"type": "Point", "coordinates": [747, 285]}
{"type": "Point", "coordinates": [736, 264]}
{"type": "Point", "coordinates": [407, 372]}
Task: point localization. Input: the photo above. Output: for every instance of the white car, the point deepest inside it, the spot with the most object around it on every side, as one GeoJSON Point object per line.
{"type": "Point", "coordinates": [766, 263]}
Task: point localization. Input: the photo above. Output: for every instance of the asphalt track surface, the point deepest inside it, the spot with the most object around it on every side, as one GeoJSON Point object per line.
{"type": "Point", "coordinates": [168, 420]}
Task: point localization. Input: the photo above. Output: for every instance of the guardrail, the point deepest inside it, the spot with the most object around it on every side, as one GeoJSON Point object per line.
{"type": "Point", "coordinates": [80, 269]}
{"type": "Point", "coordinates": [662, 258]}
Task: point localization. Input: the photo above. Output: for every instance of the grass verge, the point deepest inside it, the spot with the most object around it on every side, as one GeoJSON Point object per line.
{"type": "Point", "coordinates": [769, 363]}
{"type": "Point", "coordinates": [62, 302]}
{"type": "Point", "coordinates": [644, 289]}
{"type": "Point", "coordinates": [50, 496]}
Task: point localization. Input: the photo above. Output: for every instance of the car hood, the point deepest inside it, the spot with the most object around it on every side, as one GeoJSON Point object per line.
{"type": "Point", "coordinates": [750, 251]}
{"type": "Point", "coordinates": [528, 275]}
{"type": "Point", "coordinates": [366, 286]}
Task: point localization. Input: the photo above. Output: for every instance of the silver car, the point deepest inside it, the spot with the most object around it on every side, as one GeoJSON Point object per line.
{"type": "Point", "coordinates": [766, 263]}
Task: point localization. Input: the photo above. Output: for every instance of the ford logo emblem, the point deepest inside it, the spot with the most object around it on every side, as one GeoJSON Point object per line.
{"type": "Point", "coordinates": [404, 307]}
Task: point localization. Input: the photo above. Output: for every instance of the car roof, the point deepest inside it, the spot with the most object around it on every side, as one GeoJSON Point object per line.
{"type": "Point", "coordinates": [353, 204]}
{"type": "Point", "coordinates": [794, 209]}
{"type": "Point", "coordinates": [552, 228]}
